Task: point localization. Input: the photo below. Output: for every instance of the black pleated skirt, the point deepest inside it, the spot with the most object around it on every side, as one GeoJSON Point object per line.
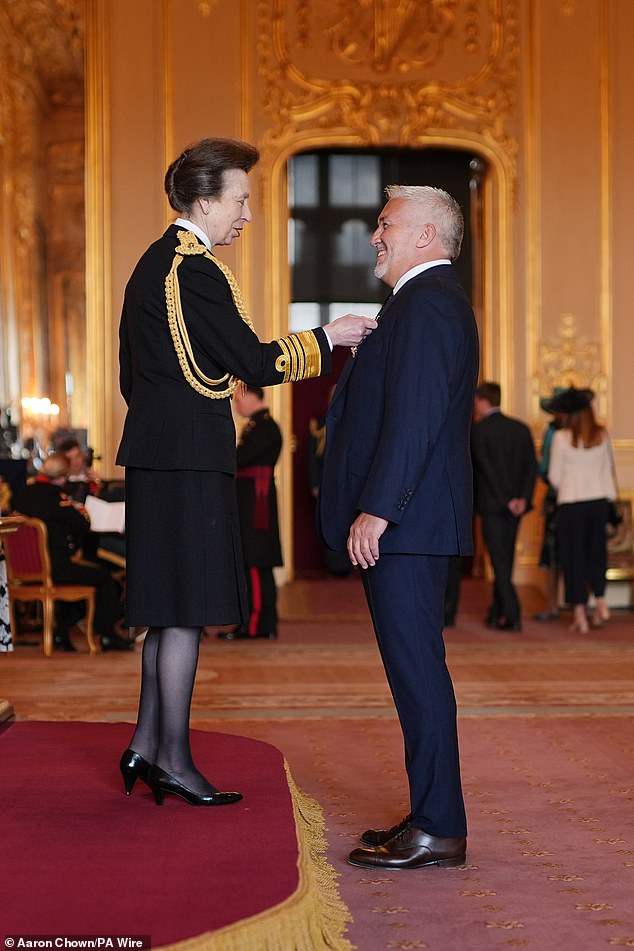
{"type": "Point", "coordinates": [183, 556]}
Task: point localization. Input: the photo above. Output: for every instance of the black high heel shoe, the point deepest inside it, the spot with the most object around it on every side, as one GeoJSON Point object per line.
{"type": "Point", "coordinates": [161, 783]}
{"type": "Point", "coordinates": [133, 767]}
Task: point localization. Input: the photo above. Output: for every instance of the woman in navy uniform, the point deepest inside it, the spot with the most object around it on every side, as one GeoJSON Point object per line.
{"type": "Point", "coordinates": [186, 341]}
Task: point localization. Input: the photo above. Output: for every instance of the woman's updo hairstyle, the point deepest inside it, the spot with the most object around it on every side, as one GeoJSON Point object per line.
{"type": "Point", "coordinates": [198, 171]}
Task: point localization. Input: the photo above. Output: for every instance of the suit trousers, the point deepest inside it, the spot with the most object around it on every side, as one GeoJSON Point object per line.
{"type": "Point", "coordinates": [262, 595]}
{"type": "Point", "coordinates": [405, 594]}
{"type": "Point", "coordinates": [582, 541]}
{"type": "Point", "coordinates": [500, 534]}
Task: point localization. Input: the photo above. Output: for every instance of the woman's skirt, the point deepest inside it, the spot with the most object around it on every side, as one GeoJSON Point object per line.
{"type": "Point", "coordinates": [183, 556]}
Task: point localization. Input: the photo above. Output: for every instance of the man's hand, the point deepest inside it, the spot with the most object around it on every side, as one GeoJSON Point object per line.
{"type": "Point", "coordinates": [363, 540]}
{"type": "Point", "coordinates": [350, 330]}
{"type": "Point", "coordinates": [517, 507]}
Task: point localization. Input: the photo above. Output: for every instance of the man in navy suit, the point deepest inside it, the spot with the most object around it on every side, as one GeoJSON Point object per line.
{"type": "Point", "coordinates": [397, 493]}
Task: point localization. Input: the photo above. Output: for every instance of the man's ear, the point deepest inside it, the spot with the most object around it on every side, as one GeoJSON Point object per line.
{"type": "Point", "coordinates": [426, 236]}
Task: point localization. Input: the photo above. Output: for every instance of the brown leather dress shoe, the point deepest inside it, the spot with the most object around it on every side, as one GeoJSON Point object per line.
{"type": "Point", "coordinates": [412, 848]}
{"type": "Point", "coordinates": [376, 837]}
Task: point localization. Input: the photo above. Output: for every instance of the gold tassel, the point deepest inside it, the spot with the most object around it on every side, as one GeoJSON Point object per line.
{"type": "Point", "coordinates": [314, 918]}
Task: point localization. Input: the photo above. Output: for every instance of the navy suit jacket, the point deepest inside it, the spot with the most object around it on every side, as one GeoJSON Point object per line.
{"type": "Point", "coordinates": [397, 431]}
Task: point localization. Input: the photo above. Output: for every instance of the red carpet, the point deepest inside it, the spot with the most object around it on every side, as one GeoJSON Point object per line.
{"type": "Point", "coordinates": [81, 858]}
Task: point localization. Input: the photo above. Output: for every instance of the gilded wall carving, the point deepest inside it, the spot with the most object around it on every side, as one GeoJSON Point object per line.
{"type": "Point", "coordinates": [569, 359]}
{"type": "Point", "coordinates": [41, 151]}
{"type": "Point", "coordinates": [413, 71]}
{"type": "Point", "coordinates": [205, 7]}
{"type": "Point", "coordinates": [50, 36]}
{"type": "Point", "coordinates": [388, 35]}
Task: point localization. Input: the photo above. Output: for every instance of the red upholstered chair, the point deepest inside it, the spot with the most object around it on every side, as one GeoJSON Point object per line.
{"type": "Point", "coordinates": [29, 577]}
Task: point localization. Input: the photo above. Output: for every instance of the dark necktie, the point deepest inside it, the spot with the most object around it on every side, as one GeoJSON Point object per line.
{"type": "Point", "coordinates": [383, 306]}
{"type": "Point", "coordinates": [353, 350]}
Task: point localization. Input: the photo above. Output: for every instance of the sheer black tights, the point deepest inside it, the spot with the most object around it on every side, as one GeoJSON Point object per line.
{"type": "Point", "coordinates": [170, 658]}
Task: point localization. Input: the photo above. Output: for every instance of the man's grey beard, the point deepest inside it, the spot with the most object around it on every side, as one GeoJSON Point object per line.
{"type": "Point", "coordinates": [380, 269]}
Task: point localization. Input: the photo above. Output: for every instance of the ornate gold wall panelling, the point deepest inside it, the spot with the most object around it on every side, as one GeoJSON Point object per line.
{"type": "Point", "coordinates": [569, 358]}
{"type": "Point", "coordinates": [375, 73]}
{"type": "Point", "coordinates": [577, 358]}
{"type": "Point", "coordinates": [41, 74]}
{"type": "Point", "coordinates": [99, 347]}
{"type": "Point", "coordinates": [466, 100]}
{"type": "Point", "coordinates": [391, 73]}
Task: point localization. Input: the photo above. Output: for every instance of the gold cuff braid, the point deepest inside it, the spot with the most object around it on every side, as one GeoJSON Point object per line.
{"type": "Point", "coordinates": [300, 357]}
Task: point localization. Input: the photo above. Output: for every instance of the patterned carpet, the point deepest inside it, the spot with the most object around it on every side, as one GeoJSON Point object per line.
{"type": "Point", "coordinates": [547, 751]}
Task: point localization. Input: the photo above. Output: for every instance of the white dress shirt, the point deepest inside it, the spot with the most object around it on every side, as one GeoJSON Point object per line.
{"type": "Point", "coordinates": [198, 231]}
{"type": "Point", "coordinates": [416, 270]}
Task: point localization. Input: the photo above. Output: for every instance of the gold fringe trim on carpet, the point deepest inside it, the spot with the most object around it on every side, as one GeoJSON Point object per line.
{"type": "Point", "coordinates": [314, 918]}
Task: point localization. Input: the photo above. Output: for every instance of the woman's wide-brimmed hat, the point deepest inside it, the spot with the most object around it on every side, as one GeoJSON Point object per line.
{"type": "Point", "coordinates": [546, 402]}
{"type": "Point", "coordinates": [572, 400]}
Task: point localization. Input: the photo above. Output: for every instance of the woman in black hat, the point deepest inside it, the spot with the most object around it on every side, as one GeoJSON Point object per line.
{"type": "Point", "coordinates": [581, 469]}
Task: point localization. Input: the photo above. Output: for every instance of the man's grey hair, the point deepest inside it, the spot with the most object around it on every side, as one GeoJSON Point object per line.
{"type": "Point", "coordinates": [444, 213]}
{"type": "Point", "coordinates": [55, 466]}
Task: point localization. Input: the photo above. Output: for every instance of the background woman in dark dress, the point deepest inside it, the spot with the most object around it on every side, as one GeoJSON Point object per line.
{"type": "Point", "coordinates": [185, 343]}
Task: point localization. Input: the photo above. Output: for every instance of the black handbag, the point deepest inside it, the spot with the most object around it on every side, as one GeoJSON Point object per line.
{"type": "Point", "coordinates": [615, 516]}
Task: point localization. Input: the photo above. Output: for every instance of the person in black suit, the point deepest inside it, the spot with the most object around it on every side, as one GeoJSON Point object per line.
{"type": "Point", "coordinates": [68, 528]}
{"type": "Point", "coordinates": [186, 341]}
{"type": "Point", "coordinates": [397, 493]}
{"type": "Point", "coordinates": [258, 450]}
{"type": "Point", "coordinates": [505, 469]}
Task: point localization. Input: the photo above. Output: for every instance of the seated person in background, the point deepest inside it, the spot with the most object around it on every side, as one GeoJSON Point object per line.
{"type": "Point", "coordinates": [81, 481]}
{"type": "Point", "coordinates": [67, 529]}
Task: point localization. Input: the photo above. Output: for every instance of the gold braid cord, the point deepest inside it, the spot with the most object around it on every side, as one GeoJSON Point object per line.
{"type": "Point", "coordinates": [300, 357]}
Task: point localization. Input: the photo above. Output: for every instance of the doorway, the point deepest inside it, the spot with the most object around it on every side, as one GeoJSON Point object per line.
{"type": "Point", "coordinates": [334, 198]}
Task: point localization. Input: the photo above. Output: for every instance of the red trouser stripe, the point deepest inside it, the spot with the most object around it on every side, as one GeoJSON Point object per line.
{"type": "Point", "coordinates": [256, 602]}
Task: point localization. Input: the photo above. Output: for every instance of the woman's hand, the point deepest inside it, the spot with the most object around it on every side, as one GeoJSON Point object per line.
{"type": "Point", "coordinates": [350, 330]}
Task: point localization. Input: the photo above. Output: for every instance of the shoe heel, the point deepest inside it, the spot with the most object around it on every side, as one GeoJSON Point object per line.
{"type": "Point", "coordinates": [458, 862]}
{"type": "Point", "coordinates": [159, 795]}
{"type": "Point", "coordinates": [133, 767]}
{"type": "Point", "coordinates": [129, 779]}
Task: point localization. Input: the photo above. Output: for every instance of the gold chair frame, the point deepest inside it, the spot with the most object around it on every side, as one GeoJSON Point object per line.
{"type": "Point", "coordinates": [39, 586]}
